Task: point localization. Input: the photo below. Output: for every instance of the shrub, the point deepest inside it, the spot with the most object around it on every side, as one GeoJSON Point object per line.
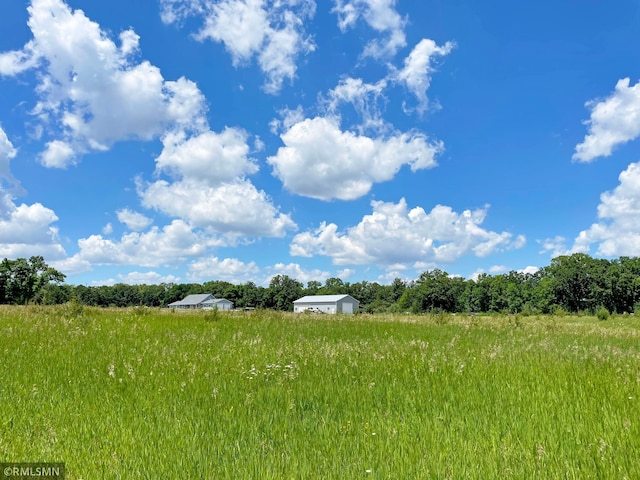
{"type": "Point", "coordinates": [602, 313]}
{"type": "Point", "coordinates": [73, 308]}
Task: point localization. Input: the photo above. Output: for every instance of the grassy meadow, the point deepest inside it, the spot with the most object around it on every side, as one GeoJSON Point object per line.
{"type": "Point", "coordinates": [144, 393]}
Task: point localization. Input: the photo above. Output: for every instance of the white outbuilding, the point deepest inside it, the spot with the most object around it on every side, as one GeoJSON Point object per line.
{"type": "Point", "coordinates": [326, 304]}
{"type": "Point", "coordinates": [202, 302]}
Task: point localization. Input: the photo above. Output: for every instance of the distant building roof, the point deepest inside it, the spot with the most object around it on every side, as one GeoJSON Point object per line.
{"type": "Point", "coordinates": [324, 298]}
{"type": "Point", "coordinates": [202, 300]}
{"type": "Point", "coordinates": [194, 299]}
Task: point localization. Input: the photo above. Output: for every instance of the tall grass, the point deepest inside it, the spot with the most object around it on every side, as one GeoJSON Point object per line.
{"type": "Point", "coordinates": [145, 393]}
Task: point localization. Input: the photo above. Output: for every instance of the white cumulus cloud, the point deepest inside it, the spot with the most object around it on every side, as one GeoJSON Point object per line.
{"type": "Point", "coordinates": [321, 161]}
{"type": "Point", "coordinates": [169, 246]}
{"type": "Point", "coordinates": [209, 188]}
{"type": "Point", "coordinates": [25, 230]}
{"type": "Point", "coordinates": [215, 157]}
{"type": "Point", "coordinates": [613, 122]}
{"type": "Point", "coordinates": [295, 271]}
{"type": "Point", "coordinates": [271, 31]}
{"type": "Point", "coordinates": [91, 91]}
{"type": "Point", "coordinates": [133, 220]}
{"type": "Point", "coordinates": [618, 231]}
{"type": "Point", "coordinates": [529, 270]}
{"type": "Point", "coordinates": [233, 209]}
{"type": "Point", "coordinates": [393, 234]}
{"type": "Point", "coordinates": [228, 269]}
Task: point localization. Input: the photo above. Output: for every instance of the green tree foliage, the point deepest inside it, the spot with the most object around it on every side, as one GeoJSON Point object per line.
{"type": "Point", "coordinates": [433, 291]}
{"type": "Point", "coordinates": [21, 280]}
{"type": "Point", "coordinates": [571, 283]}
{"type": "Point", "coordinates": [624, 278]}
{"type": "Point", "coordinates": [282, 292]}
{"type": "Point", "coordinates": [251, 296]}
{"type": "Point", "coordinates": [313, 286]}
{"type": "Point", "coordinates": [580, 282]}
{"type": "Point", "coordinates": [53, 294]}
{"type": "Point", "coordinates": [333, 286]}
{"type": "Point", "coordinates": [365, 292]}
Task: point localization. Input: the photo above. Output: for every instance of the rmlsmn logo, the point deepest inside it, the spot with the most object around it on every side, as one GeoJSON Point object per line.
{"type": "Point", "coordinates": [26, 471]}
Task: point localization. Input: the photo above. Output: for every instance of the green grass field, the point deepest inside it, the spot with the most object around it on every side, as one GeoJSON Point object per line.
{"type": "Point", "coordinates": [139, 393]}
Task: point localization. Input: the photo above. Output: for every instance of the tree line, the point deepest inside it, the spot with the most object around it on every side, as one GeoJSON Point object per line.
{"type": "Point", "coordinates": [572, 283]}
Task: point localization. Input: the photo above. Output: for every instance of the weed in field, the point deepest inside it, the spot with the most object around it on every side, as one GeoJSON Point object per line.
{"type": "Point", "coordinates": [212, 315]}
{"type": "Point", "coordinates": [72, 309]}
{"type": "Point", "coordinates": [602, 313]}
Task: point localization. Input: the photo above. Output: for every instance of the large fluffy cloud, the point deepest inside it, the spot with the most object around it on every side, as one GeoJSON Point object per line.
{"type": "Point", "coordinates": [393, 234]}
{"type": "Point", "coordinates": [233, 209]}
{"type": "Point", "coordinates": [618, 231]}
{"type": "Point", "coordinates": [319, 160]}
{"type": "Point", "coordinates": [25, 230]}
{"type": "Point", "coordinates": [614, 121]}
{"type": "Point", "coordinates": [210, 156]}
{"type": "Point", "coordinates": [170, 245]}
{"type": "Point", "coordinates": [379, 15]}
{"type": "Point", "coordinates": [209, 188]}
{"type": "Point", "coordinates": [272, 31]}
{"type": "Point", "coordinates": [92, 93]}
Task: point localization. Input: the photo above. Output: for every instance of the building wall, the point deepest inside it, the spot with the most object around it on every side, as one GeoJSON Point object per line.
{"type": "Point", "coordinates": [323, 307]}
{"type": "Point", "coordinates": [224, 305]}
{"type": "Point", "coordinates": [334, 307]}
{"type": "Point", "coordinates": [346, 306]}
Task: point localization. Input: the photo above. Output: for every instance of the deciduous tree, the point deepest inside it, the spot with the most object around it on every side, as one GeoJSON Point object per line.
{"type": "Point", "coordinates": [21, 279]}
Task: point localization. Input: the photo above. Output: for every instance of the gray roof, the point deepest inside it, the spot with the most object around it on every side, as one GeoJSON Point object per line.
{"type": "Point", "coordinates": [201, 299]}
{"type": "Point", "coordinates": [324, 299]}
{"type": "Point", "coordinates": [194, 299]}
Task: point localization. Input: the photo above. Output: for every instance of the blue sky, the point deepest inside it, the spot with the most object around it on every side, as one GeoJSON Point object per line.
{"type": "Point", "coordinates": [195, 140]}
